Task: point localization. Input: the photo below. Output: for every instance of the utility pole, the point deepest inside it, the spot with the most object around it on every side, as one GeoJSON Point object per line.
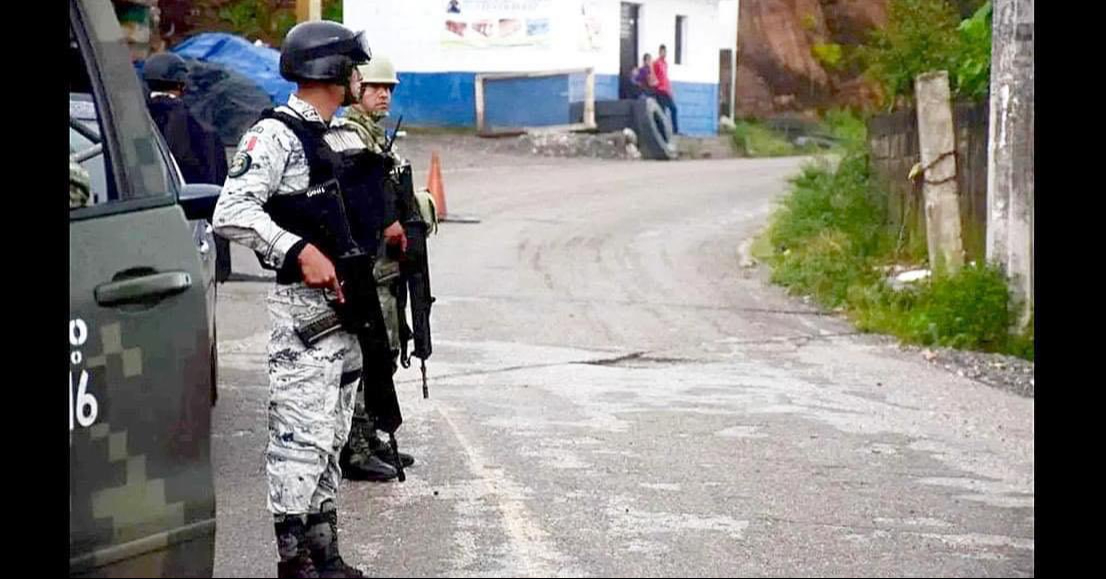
{"type": "Point", "coordinates": [1010, 193]}
{"type": "Point", "coordinates": [937, 143]}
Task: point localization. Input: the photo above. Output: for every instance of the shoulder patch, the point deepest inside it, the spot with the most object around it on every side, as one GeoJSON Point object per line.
{"type": "Point", "coordinates": [239, 164]}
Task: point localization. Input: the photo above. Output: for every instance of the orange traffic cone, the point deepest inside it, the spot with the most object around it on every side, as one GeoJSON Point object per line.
{"type": "Point", "coordinates": [437, 191]}
{"type": "Point", "coordinates": [434, 184]}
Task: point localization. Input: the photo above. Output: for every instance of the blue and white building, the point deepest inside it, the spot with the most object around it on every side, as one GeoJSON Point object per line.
{"type": "Point", "coordinates": [439, 46]}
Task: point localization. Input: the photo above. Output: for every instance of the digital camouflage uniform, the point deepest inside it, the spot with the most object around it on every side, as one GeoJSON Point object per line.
{"type": "Point", "coordinates": [311, 389]}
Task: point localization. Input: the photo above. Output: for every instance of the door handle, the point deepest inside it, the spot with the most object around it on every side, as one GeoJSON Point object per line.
{"type": "Point", "coordinates": [152, 287]}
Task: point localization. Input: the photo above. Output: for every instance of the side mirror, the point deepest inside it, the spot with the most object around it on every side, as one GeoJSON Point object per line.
{"type": "Point", "coordinates": [198, 200]}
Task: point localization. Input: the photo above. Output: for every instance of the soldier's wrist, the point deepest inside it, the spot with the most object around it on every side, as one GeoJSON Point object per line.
{"type": "Point", "coordinates": [290, 269]}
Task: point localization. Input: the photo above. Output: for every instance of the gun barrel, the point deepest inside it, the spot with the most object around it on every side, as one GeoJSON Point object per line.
{"type": "Point", "coordinates": [425, 388]}
{"type": "Point", "coordinates": [397, 462]}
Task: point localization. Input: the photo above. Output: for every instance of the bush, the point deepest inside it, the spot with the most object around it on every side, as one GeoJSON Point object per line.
{"type": "Point", "coordinates": [258, 19]}
{"type": "Point", "coordinates": [927, 35]}
{"type": "Point", "coordinates": [824, 267]}
{"type": "Point", "coordinates": [845, 126]}
{"type": "Point", "coordinates": [827, 230]}
{"type": "Point", "coordinates": [265, 20]}
{"type": "Point", "coordinates": [1021, 345]}
{"type": "Point", "coordinates": [970, 309]}
{"type": "Point", "coordinates": [823, 198]}
{"type": "Point", "coordinates": [828, 239]}
{"type": "Point", "coordinates": [972, 72]}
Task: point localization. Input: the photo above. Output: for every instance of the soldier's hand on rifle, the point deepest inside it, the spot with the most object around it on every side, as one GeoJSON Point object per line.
{"type": "Point", "coordinates": [318, 271]}
{"type": "Point", "coordinates": [394, 235]}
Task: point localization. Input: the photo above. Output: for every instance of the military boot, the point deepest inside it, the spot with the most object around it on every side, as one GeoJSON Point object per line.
{"type": "Point", "coordinates": [322, 541]}
{"type": "Point", "coordinates": [358, 461]}
{"type": "Point", "coordinates": [383, 451]}
{"type": "Point", "coordinates": [295, 557]}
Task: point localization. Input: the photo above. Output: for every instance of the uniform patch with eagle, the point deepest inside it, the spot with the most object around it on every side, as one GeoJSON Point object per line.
{"type": "Point", "coordinates": [240, 164]}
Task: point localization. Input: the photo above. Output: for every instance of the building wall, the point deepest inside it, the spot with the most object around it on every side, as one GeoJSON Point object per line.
{"type": "Point", "coordinates": [727, 17]}
{"type": "Point", "coordinates": [437, 80]}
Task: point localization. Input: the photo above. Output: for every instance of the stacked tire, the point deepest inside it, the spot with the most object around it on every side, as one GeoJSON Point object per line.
{"type": "Point", "coordinates": [655, 138]}
{"type": "Point", "coordinates": [648, 120]}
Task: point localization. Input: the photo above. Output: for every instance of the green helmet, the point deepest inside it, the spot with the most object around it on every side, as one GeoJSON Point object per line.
{"type": "Point", "coordinates": [379, 70]}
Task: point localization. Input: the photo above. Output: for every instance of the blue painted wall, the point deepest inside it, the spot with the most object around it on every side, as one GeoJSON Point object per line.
{"type": "Point", "coordinates": [606, 87]}
{"type": "Point", "coordinates": [522, 102]}
{"type": "Point", "coordinates": [436, 99]}
{"type": "Point", "coordinates": [697, 108]}
{"type": "Point", "coordinates": [448, 99]}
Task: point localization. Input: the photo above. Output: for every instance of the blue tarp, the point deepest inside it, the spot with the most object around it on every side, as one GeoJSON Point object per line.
{"type": "Point", "coordinates": [261, 64]}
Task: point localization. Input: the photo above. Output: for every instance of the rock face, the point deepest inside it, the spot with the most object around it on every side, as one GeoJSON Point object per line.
{"type": "Point", "coordinates": [777, 67]}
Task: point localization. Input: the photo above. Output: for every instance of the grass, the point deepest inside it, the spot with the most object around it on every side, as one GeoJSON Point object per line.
{"type": "Point", "coordinates": [829, 240]}
{"type": "Point", "coordinates": [844, 125]}
{"type": "Point", "coordinates": [753, 139]}
{"type": "Point", "coordinates": [970, 310]}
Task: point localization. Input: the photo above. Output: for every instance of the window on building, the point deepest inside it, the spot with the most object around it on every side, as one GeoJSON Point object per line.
{"type": "Point", "coordinates": [681, 38]}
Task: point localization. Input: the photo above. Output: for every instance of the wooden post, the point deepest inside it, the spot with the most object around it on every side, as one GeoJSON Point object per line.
{"type": "Point", "coordinates": [308, 10]}
{"type": "Point", "coordinates": [1010, 150]}
{"type": "Point", "coordinates": [937, 144]}
{"type": "Point", "coordinates": [589, 98]}
{"type": "Point", "coordinates": [478, 87]}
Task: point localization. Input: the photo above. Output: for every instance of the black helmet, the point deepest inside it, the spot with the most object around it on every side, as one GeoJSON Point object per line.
{"type": "Point", "coordinates": [323, 51]}
{"type": "Point", "coordinates": [165, 68]}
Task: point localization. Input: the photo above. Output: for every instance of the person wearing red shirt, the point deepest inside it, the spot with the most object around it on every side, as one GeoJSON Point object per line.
{"type": "Point", "coordinates": [663, 89]}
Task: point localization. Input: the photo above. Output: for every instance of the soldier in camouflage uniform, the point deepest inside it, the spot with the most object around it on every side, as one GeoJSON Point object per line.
{"type": "Point", "coordinates": [311, 389]}
{"type": "Point", "coordinates": [365, 455]}
{"type": "Point", "coordinates": [79, 185]}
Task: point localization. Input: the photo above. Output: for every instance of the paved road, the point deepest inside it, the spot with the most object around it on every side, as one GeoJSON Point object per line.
{"type": "Point", "coordinates": [613, 395]}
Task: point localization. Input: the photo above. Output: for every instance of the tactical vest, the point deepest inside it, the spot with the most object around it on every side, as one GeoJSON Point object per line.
{"type": "Point", "coordinates": [337, 158]}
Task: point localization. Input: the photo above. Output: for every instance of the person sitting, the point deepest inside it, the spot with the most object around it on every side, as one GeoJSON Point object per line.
{"type": "Point", "coordinates": [644, 80]}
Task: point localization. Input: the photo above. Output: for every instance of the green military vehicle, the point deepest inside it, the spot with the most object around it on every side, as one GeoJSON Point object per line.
{"type": "Point", "coordinates": [142, 364]}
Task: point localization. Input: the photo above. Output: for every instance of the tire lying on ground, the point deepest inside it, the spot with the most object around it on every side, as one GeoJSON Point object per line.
{"type": "Point", "coordinates": [654, 130]}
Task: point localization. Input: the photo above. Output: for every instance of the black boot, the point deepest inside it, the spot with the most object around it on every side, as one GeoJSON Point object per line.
{"type": "Point", "coordinates": [357, 458]}
{"type": "Point", "coordinates": [295, 557]}
{"type": "Point", "coordinates": [322, 541]}
{"type": "Point", "coordinates": [365, 466]}
{"type": "Point", "coordinates": [383, 451]}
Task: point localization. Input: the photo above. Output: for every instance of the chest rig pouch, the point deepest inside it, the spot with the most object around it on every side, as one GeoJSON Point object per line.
{"type": "Point", "coordinates": [345, 203]}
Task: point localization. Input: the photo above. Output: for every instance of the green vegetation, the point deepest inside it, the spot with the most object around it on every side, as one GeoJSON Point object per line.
{"type": "Point", "coordinates": [928, 35]}
{"type": "Point", "coordinates": [829, 240]}
{"type": "Point", "coordinates": [753, 139]}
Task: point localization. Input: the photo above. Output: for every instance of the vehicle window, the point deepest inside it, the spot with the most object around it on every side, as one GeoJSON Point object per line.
{"type": "Point", "coordinates": [83, 106]}
{"type": "Point", "coordinates": [117, 160]}
{"type": "Point", "coordinates": [85, 146]}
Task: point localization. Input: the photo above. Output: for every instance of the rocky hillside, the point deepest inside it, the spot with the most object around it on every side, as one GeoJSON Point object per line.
{"type": "Point", "coordinates": [793, 54]}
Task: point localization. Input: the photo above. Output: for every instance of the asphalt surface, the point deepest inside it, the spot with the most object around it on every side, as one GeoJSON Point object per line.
{"type": "Point", "coordinates": [612, 394]}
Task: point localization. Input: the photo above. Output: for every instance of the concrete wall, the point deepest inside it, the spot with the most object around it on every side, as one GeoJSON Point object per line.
{"type": "Point", "coordinates": [727, 18]}
{"type": "Point", "coordinates": [437, 79]}
{"type": "Point", "coordinates": [410, 32]}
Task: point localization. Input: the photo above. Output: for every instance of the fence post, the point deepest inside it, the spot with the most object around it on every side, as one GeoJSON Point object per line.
{"type": "Point", "coordinates": [308, 10]}
{"type": "Point", "coordinates": [1010, 150]}
{"type": "Point", "coordinates": [937, 145]}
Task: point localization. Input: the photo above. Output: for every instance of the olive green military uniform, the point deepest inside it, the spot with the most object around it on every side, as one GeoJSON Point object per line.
{"type": "Point", "coordinates": [363, 439]}
{"type": "Point", "coordinates": [79, 185]}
